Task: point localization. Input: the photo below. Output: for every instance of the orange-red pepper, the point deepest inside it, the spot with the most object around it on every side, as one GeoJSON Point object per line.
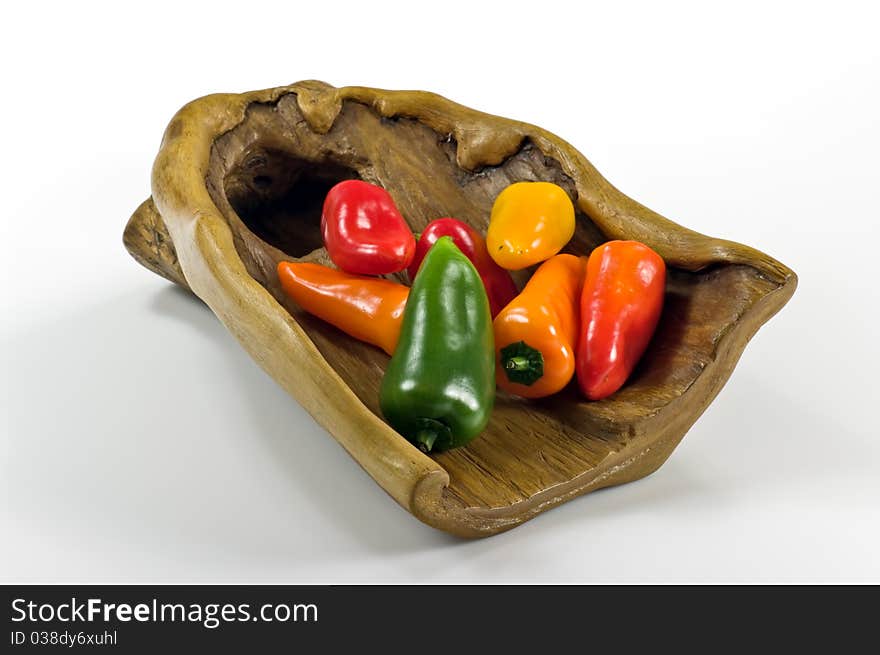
{"type": "Point", "coordinates": [367, 308]}
{"type": "Point", "coordinates": [621, 304]}
{"type": "Point", "coordinates": [536, 334]}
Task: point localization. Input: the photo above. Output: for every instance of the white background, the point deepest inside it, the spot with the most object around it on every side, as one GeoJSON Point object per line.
{"type": "Point", "coordinates": [139, 443]}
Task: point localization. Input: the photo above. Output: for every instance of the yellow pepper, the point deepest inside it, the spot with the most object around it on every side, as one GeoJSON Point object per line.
{"type": "Point", "coordinates": [530, 222]}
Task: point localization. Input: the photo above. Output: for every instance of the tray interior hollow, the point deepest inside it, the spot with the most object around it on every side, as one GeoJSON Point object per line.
{"type": "Point", "coordinates": [269, 175]}
{"type": "Point", "coordinates": [277, 197]}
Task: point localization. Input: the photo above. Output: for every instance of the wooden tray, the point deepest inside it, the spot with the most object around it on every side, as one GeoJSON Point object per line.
{"type": "Point", "coordinates": [238, 185]}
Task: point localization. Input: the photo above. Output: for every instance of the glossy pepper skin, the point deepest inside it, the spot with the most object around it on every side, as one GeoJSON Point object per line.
{"type": "Point", "coordinates": [536, 334]}
{"type": "Point", "coordinates": [367, 308]}
{"type": "Point", "coordinates": [530, 222]}
{"type": "Point", "coordinates": [363, 231]}
{"type": "Point", "coordinates": [500, 287]}
{"type": "Point", "coordinates": [620, 306]}
{"type": "Point", "coordinates": [439, 387]}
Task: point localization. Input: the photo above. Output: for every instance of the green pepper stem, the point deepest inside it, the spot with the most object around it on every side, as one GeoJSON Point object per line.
{"type": "Point", "coordinates": [425, 440]}
{"type": "Point", "coordinates": [521, 363]}
{"type": "Point", "coordinates": [428, 430]}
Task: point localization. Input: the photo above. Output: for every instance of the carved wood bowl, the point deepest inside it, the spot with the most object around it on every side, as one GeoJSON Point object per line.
{"type": "Point", "coordinates": [238, 186]}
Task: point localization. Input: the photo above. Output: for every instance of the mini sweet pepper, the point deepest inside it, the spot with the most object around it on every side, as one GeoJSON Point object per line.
{"type": "Point", "coordinates": [621, 304]}
{"type": "Point", "coordinates": [366, 308]}
{"type": "Point", "coordinates": [530, 222]}
{"type": "Point", "coordinates": [500, 287]}
{"type": "Point", "coordinates": [439, 387]}
{"type": "Point", "coordinates": [363, 231]}
{"type": "Point", "coordinates": [536, 334]}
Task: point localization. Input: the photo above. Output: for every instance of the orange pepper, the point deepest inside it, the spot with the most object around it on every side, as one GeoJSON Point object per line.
{"type": "Point", "coordinates": [367, 308]}
{"type": "Point", "coordinates": [530, 222]}
{"type": "Point", "coordinates": [536, 333]}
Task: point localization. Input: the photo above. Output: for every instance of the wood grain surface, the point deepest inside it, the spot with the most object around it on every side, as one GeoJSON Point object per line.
{"type": "Point", "coordinates": [238, 186]}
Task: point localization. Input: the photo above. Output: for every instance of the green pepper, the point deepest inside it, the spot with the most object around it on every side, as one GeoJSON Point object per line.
{"type": "Point", "coordinates": [439, 386]}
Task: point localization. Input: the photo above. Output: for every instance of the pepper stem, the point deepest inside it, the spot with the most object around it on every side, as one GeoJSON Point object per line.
{"type": "Point", "coordinates": [521, 363]}
{"type": "Point", "coordinates": [517, 364]}
{"type": "Point", "coordinates": [428, 430]}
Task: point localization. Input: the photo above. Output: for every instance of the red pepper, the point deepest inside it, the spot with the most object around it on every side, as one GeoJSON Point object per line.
{"type": "Point", "coordinates": [499, 285]}
{"type": "Point", "coordinates": [364, 232]}
{"type": "Point", "coordinates": [620, 306]}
